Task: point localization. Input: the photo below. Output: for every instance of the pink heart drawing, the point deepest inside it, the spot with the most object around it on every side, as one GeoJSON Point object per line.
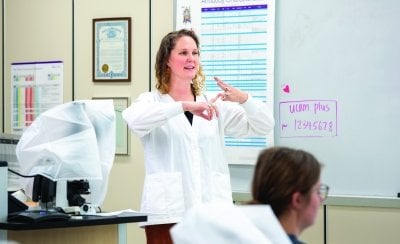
{"type": "Point", "coordinates": [286, 89]}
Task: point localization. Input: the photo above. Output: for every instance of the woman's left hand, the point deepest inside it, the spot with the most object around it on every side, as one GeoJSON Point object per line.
{"type": "Point", "coordinates": [230, 93]}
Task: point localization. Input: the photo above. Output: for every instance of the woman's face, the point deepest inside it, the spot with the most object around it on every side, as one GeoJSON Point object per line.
{"type": "Point", "coordinates": [184, 59]}
{"type": "Point", "coordinates": [310, 207]}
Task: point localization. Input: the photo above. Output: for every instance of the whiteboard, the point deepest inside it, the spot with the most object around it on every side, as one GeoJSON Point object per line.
{"type": "Point", "coordinates": [345, 55]}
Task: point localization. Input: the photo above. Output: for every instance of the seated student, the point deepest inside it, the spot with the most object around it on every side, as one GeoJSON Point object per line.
{"type": "Point", "coordinates": [286, 195]}
{"type": "Point", "coordinates": [289, 181]}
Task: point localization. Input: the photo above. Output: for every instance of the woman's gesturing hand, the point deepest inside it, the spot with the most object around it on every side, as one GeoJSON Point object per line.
{"type": "Point", "coordinates": [230, 93]}
{"type": "Point", "coordinates": [205, 110]}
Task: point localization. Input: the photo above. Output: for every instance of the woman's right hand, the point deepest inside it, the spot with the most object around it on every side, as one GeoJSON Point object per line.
{"type": "Point", "coordinates": [203, 109]}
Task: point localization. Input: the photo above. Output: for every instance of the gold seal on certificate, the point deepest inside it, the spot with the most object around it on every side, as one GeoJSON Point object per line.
{"type": "Point", "coordinates": [104, 68]}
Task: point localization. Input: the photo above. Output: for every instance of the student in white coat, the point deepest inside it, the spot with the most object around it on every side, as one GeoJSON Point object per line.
{"type": "Point", "coordinates": [183, 131]}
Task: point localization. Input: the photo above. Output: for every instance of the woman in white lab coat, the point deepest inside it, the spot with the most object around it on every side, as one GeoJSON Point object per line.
{"type": "Point", "coordinates": [182, 131]}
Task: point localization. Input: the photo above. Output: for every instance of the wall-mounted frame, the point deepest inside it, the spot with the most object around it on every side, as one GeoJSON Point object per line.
{"type": "Point", "coordinates": [112, 49]}
{"type": "Point", "coordinates": [121, 128]}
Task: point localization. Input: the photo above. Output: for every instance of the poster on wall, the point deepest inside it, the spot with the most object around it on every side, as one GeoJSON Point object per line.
{"type": "Point", "coordinates": [35, 88]}
{"type": "Point", "coordinates": [236, 45]}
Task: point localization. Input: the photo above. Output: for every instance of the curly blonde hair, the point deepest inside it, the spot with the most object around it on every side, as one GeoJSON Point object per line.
{"type": "Point", "coordinates": [163, 72]}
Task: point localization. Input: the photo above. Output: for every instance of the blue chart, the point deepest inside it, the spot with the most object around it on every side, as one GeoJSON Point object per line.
{"type": "Point", "coordinates": [237, 45]}
{"type": "Point", "coordinates": [234, 47]}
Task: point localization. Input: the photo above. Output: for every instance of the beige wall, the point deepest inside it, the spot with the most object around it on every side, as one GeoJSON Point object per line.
{"type": "Point", "coordinates": [42, 30]}
{"type": "Point", "coordinates": [162, 23]}
{"type": "Point", "coordinates": [367, 225]}
{"type": "Point", "coordinates": [31, 36]}
{"type": "Point", "coordinates": [350, 225]}
{"type": "Point", "coordinates": [125, 185]}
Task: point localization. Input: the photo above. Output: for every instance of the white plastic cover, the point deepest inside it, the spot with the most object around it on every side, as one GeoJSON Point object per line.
{"type": "Point", "coordinates": [227, 223]}
{"type": "Point", "coordinates": [72, 141]}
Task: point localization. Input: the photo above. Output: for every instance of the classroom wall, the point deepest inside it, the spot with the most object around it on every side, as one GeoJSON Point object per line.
{"type": "Point", "coordinates": [126, 177]}
{"type": "Point", "coordinates": [42, 30]}
{"type": "Point", "coordinates": [367, 225]}
{"type": "Point", "coordinates": [30, 36]}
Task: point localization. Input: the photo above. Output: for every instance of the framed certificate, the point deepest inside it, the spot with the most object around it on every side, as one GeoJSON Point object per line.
{"type": "Point", "coordinates": [121, 128]}
{"type": "Point", "coordinates": [112, 49]}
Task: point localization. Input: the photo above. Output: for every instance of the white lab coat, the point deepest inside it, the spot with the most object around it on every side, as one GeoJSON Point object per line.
{"type": "Point", "coordinates": [185, 164]}
{"type": "Point", "coordinates": [229, 224]}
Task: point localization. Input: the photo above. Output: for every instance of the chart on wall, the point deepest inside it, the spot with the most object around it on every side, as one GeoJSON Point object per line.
{"type": "Point", "coordinates": [236, 45]}
{"type": "Point", "coordinates": [36, 87]}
